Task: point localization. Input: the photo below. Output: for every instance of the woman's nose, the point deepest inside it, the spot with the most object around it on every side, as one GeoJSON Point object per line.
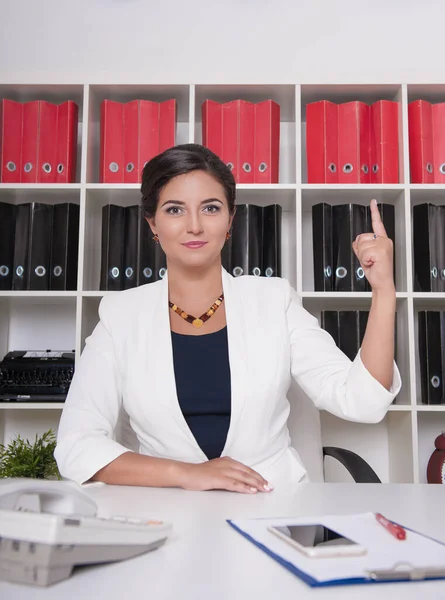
{"type": "Point", "coordinates": [194, 223]}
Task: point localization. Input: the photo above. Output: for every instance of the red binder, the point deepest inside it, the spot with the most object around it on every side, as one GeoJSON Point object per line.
{"type": "Point", "coordinates": [132, 134]}
{"type": "Point", "coordinates": [111, 142]}
{"type": "Point", "coordinates": [267, 142]}
{"type": "Point", "coordinates": [66, 156]}
{"type": "Point", "coordinates": [321, 142]}
{"type": "Point", "coordinates": [212, 126]}
{"type": "Point", "coordinates": [421, 142]}
{"type": "Point", "coordinates": [385, 142]}
{"type": "Point", "coordinates": [230, 136]}
{"type": "Point", "coordinates": [354, 147]}
{"type": "Point", "coordinates": [30, 142]}
{"type": "Point", "coordinates": [10, 141]}
{"type": "Point", "coordinates": [167, 125]}
{"type": "Point", "coordinates": [246, 142]}
{"type": "Point", "coordinates": [47, 143]}
{"type": "Point", "coordinates": [438, 127]}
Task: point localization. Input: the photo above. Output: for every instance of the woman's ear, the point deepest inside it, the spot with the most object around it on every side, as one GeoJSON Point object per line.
{"type": "Point", "coordinates": [151, 223]}
{"type": "Point", "coordinates": [231, 218]}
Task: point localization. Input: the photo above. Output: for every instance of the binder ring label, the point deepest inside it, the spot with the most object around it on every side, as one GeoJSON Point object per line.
{"type": "Point", "coordinates": [237, 271]}
{"type": "Point", "coordinates": [60, 168]}
{"type": "Point", "coordinates": [10, 165]}
{"type": "Point", "coordinates": [256, 271]}
{"type": "Point", "coordinates": [19, 271]}
{"type": "Point", "coordinates": [57, 271]}
{"type": "Point", "coordinates": [114, 272]}
{"type": "Point", "coordinates": [129, 272]}
{"type": "Point", "coordinates": [328, 271]}
{"type": "Point", "coordinates": [360, 273]}
{"type": "Point", "coordinates": [332, 168]}
{"type": "Point", "coordinates": [230, 165]}
{"type": "Point", "coordinates": [269, 272]}
{"type": "Point", "coordinates": [429, 167]}
{"type": "Point", "coordinates": [365, 169]}
{"type": "Point", "coordinates": [114, 167]}
{"type": "Point", "coordinates": [435, 381]}
{"type": "Point", "coordinates": [40, 271]}
{"type": "Point", "coordinates": [442, 168]}
{"type": "Point", "coordinates": [246, 167]}
{"type": "Point", "coordinates": [348, 168]}
{"type": "Point", "coordinates": [341, 272]}
{"type": "Point", "coordinates": [263, 167]}
{"type": "Point", "coordinates": [442, 274]}
{"type": "Point", "coordinates": [147, 272]}
{"type": "Point", "coordinates": [434, 272]}
{"type": "Point", "coordinates": [162, 272]}
{"type": "Point", "coordinates": [46, 167]}
{"type": "Point", "coordinates": [130, 167]}
{"type": "Point", "coordinates": [375, 168]}
{"type": "Point", "coordinates": [4, 270]}
{"type": "Point", "coordinates": [28, 167]}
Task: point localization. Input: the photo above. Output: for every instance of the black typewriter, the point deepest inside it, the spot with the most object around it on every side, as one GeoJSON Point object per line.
{"type": "Point", "coordinates": [33, 376]}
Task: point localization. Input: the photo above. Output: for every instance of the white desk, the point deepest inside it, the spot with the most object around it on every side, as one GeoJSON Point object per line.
{"type": "Point", "coordinates": [206, 559]}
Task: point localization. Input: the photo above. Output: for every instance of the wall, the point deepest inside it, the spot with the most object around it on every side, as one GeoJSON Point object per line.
{"type": "Point", "coordinates": [253, 41]}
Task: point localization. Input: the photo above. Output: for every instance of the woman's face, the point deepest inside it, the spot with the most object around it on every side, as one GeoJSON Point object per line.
{"type": "Point", "coordinates": [192, 219]}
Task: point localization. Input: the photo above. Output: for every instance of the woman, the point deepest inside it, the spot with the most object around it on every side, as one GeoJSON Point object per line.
{"type": "Point", "coordinates": [202, 361]}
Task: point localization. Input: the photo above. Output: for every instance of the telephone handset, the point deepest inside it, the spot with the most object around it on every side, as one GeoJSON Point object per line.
{"type": "Point", "coordinates": [49, 527]}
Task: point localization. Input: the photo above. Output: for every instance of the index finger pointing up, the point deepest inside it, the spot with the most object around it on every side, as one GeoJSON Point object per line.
{"type": "Point", "coordinates": [377, 223]}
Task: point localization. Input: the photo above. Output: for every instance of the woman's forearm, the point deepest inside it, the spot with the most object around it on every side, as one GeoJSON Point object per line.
{"type": "Point", "coordinates": [377, 351]}
{"type": "Point", "coordinates": [137, 469]}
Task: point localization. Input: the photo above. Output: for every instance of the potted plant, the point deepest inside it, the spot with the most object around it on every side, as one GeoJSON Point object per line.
{"type": "Point", "coordinates": [20, 458]}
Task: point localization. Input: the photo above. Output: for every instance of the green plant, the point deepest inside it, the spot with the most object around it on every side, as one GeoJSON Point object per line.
{"type": "Point", "coordinates": [23, 459]}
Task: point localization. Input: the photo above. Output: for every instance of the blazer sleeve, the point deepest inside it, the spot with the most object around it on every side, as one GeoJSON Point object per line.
{"type": "Point", "coordinates": [91, 411]}
{"type": "Point", "coordinates": [334, 383]}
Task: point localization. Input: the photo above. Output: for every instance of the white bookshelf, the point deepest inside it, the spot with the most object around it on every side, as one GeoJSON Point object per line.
{"type": "Point", "coordinates": [398, 448]}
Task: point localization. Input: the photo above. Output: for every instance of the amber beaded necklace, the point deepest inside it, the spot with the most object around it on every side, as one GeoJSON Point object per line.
{"type": "Point", "coordinates": [197, 322]}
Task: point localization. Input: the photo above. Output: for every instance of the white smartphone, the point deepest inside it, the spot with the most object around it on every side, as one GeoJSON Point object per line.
{"type": "Point", "coordinates": [318, 541]}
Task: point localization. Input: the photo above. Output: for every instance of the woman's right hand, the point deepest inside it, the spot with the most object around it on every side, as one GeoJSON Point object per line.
{"type": "Point", "coordinates": [222, 474]}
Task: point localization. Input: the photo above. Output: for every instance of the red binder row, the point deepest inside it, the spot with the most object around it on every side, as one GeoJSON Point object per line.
{"type": "Point", "coordinates": [246, 136]}
{"type": "Point", "coordinates": [131, 135]}
{"type": "Point", "coordinates": [38, 142]}
{"type": "Point", "coordinates": [352, 142]}
{"type": "Point", "coordinates": [427, 141]}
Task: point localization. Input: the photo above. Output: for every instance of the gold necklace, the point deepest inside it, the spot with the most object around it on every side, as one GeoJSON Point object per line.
{"type": "Point", "coordinates": [197, 322]}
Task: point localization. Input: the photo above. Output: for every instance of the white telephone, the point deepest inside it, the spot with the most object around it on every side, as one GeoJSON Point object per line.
{"type": "Point", "coordinates": [48, 527]}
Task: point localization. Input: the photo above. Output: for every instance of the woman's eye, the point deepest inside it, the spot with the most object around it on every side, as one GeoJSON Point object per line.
{"type": "Point", "coordinates": [212, 208]}
{"type": "Point", "coordinates": [172, 210]}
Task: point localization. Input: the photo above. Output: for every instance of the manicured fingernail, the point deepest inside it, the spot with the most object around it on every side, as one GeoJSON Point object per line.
{"type": "Point", "coordinates": [268, 487]}
{"type": "Point", "coordinates": [375, 201]}
{"type": "Point", "coordinates": [252, 489]}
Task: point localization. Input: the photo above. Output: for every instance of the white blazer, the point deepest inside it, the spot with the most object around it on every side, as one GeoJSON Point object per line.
{"type": "Point", "coordinates": [128, 363]}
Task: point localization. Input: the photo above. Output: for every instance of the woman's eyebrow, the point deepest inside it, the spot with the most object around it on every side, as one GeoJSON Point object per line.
{"type": "Point", "coordinates": [180, 203]}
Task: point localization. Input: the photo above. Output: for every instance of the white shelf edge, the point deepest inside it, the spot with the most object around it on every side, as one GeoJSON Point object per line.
{"type": "Point", "coordinates": [346, 295]}
{"type": "Point", "coordinates": [430, 407]}
{"type": "Point", "coordinates": [400, 408]}
{"type": "Point", "coordinates": [36, 294]}
{"type": "Point", "coordinates": [429, 296]}
{"type": "Point", "coordinates": [353, 186]}
{"type": "Point", "coordinates": [32, 405]}
{"type": "Point", "coordinates": [39, 186]}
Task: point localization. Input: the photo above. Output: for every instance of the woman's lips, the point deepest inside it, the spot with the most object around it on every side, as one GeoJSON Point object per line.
{"type": "Point", "coordinates": [194, 245]}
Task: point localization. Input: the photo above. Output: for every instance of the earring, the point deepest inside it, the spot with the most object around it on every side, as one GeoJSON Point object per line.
{"type": "Point", "coordinates": [228, 236]}
{"type": "Point", "coordinates": [156, 238]}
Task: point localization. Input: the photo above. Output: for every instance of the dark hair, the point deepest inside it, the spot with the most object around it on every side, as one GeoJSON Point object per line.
{"type": "Point", "coordinates": [178, 161]}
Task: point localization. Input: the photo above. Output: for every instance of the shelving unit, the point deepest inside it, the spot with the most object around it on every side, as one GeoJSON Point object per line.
{"type": "Point", "coordinates": [398, 448]}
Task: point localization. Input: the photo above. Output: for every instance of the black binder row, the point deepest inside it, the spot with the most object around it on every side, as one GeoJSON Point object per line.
{"type": "Point", "coordinates": [334, 229]}
{"type": "Point", "coordinates": [429, 248]}
{"type": "Point", "coordinates": [130, 257]}
{"type": "Point", "coordinates": [255, 245]}
{"type": "Point", "coordinates": [432, 356]}
{"type": "Point", "coordinates": [347, 327]}
{"type": "Point", "coordinates": [39, 246]}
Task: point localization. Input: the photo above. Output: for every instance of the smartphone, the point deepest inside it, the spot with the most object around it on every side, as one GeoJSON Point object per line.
{"type": "Point", "coordinates": [318, 541]}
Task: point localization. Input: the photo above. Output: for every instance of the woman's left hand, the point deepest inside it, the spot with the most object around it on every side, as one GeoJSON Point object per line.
{"type": "Point", "coordinates": [376, 253]}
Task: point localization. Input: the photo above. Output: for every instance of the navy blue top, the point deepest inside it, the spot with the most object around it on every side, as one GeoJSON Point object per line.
{"type": "Point", "coordinates": [202, 373]}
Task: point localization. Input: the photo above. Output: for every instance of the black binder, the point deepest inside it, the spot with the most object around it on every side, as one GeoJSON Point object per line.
{"type": "Point", "coordinates": [65, 247]}
{"type": "Point", "coordinates": [329, 322]}
{"type": "Point", "coordinates": [425, 233]}
{"type": "Point", "coordinates": [152, 262]}
{"type": "Point", "coordinates": [21, 254]}
{"type": "Point", "coordinates": [113, 237]}
{"type": "Point", "coordinates": [347, 327]}
{"type": "Point", "coordinates": [131, 246]}
{"type": "Point", "coordinates": [247, 240]}
{"type": "Point", "coordinates": [349, 220]}
{"type": "Point", "coordinates": [431, 354]}
{"type": "Point", "coordinates": [322, 247]}
{"type": "Point", "coordinates": [388, 216]}
{"type": "Point", "coordinates": [40, 237]}
{"type": "Point", "coordinates": [441, 248]}
{"type": "Point", "coordinates": [7, 235]}
{"type": "Point", "coordinates": [271, 264]}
